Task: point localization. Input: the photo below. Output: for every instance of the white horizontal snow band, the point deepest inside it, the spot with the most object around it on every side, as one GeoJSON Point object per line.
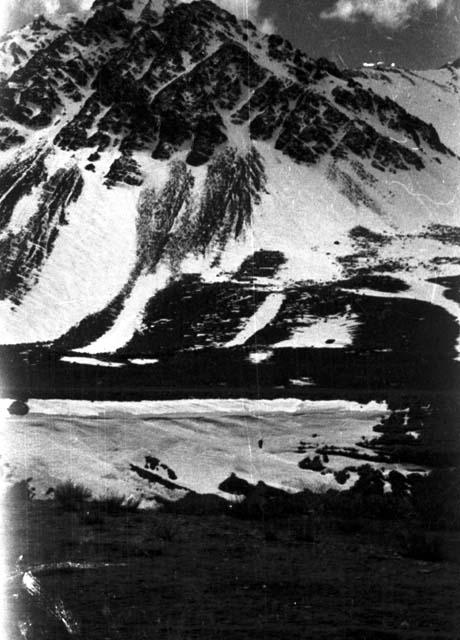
{"type": "Point", "coordinates": [240, 406]}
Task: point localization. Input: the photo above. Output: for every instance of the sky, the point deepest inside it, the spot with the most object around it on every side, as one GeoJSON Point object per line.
{"type": "Point", "coordinates": [412, 33]}
{"type": "Point", "coordinates": [417, 34]}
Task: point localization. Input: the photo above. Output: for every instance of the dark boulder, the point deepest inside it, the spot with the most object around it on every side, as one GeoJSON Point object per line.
{"type": "Point", "coordinates": [399, 484]}
{"type": "Point", "coordinates": [370, 481]}
{"type": "Point", "coordinates": [312, 465]}
{"type": "Point", "coordinates": [18, 408]}
{"type": "Point", "coordinates": [236, 486]}
{"type": "Point", "coordinates": [341, 476]}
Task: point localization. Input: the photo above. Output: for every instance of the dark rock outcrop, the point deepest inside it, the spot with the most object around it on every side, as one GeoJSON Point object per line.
{"type": "Point", "coordinates": [23, 253]}
{"type": "Point", "coordinates": [314, 464]}
{"type": "Point", "coordinates": [18, 408]}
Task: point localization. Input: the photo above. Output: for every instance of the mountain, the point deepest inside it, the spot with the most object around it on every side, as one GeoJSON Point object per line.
{"type": "Point", "coordinates": [187, 200]}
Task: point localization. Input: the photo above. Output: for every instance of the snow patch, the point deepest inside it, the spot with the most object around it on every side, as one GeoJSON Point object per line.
{"type": "Point", "coordinates": [317, 334]}
{"type": "Point", "coordinates": [130, 318]}
{"type": "Point", "coordinates": [94, 362]}
{"type": "Point", "coordinates": [91, 261]}
{"type": "Point", "coordinates": [265, 314]}
{"type": "Point", "coordinates": [302, 382]}
{"type": "Point", "coordinates": [218, 406]}
{"type": "Point", "coordinates": [24, 210]}
{"type": "Point", "coordinates": [256, 357]}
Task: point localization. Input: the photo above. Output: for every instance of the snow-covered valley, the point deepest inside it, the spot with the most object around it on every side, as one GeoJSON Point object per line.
{"type": "Point", "coordinates": [203, 442]}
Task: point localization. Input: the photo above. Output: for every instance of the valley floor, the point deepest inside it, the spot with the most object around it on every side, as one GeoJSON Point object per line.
{"type": "Point", "coordinates": [196, 444]}
{"type": "Point", "coordinates": [185, 572]}
{"type": "Point", "coordinates": [157, 575]}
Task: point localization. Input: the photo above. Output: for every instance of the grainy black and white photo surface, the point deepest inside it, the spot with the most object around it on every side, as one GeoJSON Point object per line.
{"type": "Point", "coordinates": [229, 319]}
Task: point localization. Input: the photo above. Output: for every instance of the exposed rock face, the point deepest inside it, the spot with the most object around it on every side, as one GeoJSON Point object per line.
{"type": "Point", "coordinates": [17, 180]}
{"type": "Point", "coordinates": [24, 253]}
{"type": "Point", "coordinates": [10, 137]}
{"type": "Point", "coordinates": [161, 83]}
{"type": "Point", "coordinates": [124, 169]}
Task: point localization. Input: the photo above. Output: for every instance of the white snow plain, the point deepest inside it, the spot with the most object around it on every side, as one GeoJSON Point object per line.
{"type": "Point", "coordinates": [203, 441]}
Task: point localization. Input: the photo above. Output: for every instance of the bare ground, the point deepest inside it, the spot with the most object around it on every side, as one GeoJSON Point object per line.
{"type": "Point", "coordinates": [157, 575]}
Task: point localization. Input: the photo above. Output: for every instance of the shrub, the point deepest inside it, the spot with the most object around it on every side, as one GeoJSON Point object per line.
{"type": "Point", "coordinates": [399, 484]}
{"type": "Point", "coordinates": [270, 533]}
{"type": "Point", "coordinates": [70, 495]}
{"type": "Point", "coordinates": [195, 504]}
{"type": "Point", "coordinates": [350, 526]}
{"type": "Point", "coordinates": [111, 503]}
{"type": "Point", "coordinates": [132, 504]}
{"type": "Point", "coordinates": [305, 529]}
{"type": "Point", "coordinates": [91, 516]}
{"type": "Point", "coordinates": [166, 532]}
{"type": "Point", "coordinates": [370, 481]}
{"type": "Point", "coordinates": [265, 502]}
{"type": "Point", "coordinates": [436, 498]}
{"type": "Point", "coordinates": [421, 545]}
{"type": "Point", "coordinates": [354, 505]}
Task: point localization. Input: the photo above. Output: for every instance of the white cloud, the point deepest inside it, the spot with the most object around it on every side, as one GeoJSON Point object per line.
{"type": "Point", "coordinates": [16, 13]}
{"type": "Point", "coordinates": [390, 13]}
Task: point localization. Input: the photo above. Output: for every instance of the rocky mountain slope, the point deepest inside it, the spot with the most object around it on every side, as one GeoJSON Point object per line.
{"type": "Point", "coordinates": [182, 182]}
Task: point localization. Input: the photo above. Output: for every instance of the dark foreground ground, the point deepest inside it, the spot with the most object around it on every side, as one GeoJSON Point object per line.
{"type": "Point", "coordinates": [148, 575]}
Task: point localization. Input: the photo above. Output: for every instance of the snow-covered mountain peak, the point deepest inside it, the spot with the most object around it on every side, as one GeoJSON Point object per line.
{"type": "Point", "coordinates": [147, 155]}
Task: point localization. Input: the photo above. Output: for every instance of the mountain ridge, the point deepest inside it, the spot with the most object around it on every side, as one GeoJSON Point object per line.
{"type": "Point", "coordinates": [147, 156]}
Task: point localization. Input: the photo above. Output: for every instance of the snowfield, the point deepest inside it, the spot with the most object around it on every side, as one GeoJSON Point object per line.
{"type": "Point", "coordinates": [131, 315]}
{"type": "Point", "coordinates": [335, 332]}
{"type": "Point", "coordinates": [202, 441]}
{"type": "Point", "coordinates": [91, 261]}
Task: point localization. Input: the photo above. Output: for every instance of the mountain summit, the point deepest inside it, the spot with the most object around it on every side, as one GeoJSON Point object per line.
{"type": "Point", "coordinates": [179, 182]}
